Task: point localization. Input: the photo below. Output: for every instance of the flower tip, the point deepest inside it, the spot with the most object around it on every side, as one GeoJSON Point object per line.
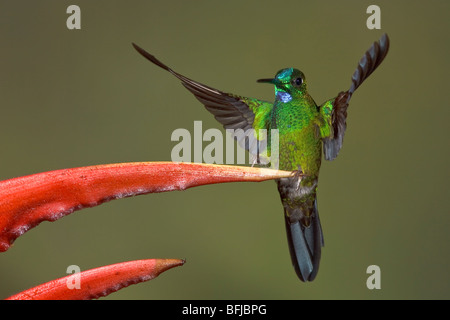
{"type": "Point", "coordinates": [166, 264]}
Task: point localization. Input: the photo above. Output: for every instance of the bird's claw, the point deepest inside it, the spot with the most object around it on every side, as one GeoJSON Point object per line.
{"type": "Point", "coordinates": [299, 175]}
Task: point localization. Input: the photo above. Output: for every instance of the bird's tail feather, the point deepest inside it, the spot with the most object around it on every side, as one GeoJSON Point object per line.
{"type": "Point", "coordinates": [305, 243]}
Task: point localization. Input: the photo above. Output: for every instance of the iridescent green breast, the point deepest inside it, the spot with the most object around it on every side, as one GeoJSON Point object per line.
{"type": "Point", "coordinates": [299, 142]}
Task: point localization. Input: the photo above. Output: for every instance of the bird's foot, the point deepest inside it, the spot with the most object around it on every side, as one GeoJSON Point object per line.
{"type": "Point", "coordinates": [299, 175]}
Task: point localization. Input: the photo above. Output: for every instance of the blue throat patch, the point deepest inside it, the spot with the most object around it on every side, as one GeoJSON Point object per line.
{"type": "Point", "coordinates": [284, 96]}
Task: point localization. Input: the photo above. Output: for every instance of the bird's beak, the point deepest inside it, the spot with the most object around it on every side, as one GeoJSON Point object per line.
{"type": "Point", "coordinates": [272, 81]}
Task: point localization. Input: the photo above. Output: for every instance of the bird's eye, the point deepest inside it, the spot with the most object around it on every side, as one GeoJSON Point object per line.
{"type": "Point", "coordinates": [298, 82]}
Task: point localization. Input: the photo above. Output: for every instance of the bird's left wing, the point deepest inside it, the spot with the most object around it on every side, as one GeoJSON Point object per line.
{"type": "Point", "coordinates": [232, 111]}
{"type": "Point", "coordinates": [334, 111]}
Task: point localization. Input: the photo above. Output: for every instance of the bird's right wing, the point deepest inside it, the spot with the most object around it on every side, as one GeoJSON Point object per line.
{"type": "Point", "coordinates": [334, 111]}
{"type": "Point", "coordinates": [232, 111]}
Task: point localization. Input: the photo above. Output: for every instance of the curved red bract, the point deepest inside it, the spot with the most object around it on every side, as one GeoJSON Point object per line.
{"type": "Point", "coordinates": [98, 282]}
{"type": "Point", "coordinates": [27, 201]}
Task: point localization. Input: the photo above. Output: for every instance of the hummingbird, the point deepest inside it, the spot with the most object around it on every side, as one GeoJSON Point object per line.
{"type": "Point", "coordinates": [304, 128]}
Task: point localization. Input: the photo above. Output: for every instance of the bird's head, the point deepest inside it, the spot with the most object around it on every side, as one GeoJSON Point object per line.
{"type": "Point", "coordinates": [288, 83]}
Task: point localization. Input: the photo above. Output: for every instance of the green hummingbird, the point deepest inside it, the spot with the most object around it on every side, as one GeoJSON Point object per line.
{"type": "Point", "coordinates": [304, 129]}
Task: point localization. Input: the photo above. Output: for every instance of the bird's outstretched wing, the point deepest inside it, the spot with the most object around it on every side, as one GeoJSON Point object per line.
{"type": "Point", "coordinates": [232, 111]}
{"type": "Point", "coordinates": [334, 111]}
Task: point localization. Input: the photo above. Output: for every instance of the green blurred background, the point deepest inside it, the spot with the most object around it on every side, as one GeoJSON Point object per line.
{"type": "Point", "coordinates": [85, 97]}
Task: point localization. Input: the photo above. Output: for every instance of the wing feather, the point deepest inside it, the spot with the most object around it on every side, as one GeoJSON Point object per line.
{"type": "Point", "coordinates": [334, 111]}
{"type": "Point", "coordinates": [232, 111]}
